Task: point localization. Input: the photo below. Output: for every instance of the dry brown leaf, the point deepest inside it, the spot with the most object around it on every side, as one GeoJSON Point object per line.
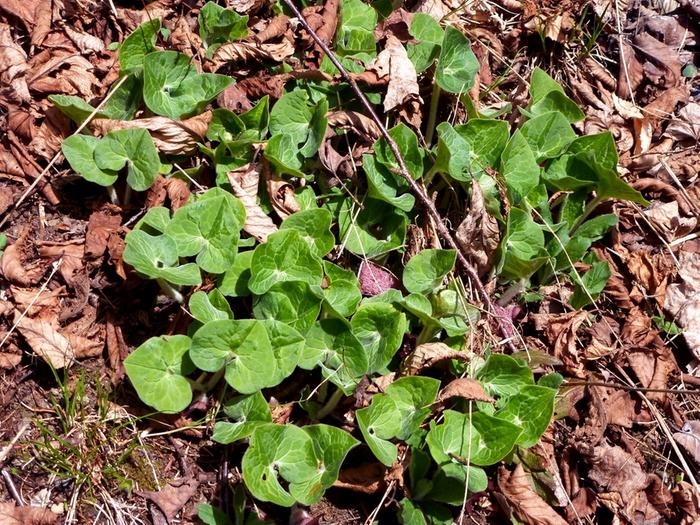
{"type": "Point", "coordinates": [282, 197]}
{"type": "Point", "coordinates": [429, 354]}
{"type": "Point", "coordinates": [687, 126]}
{"type": "Point", "coordinates": [71, 254]}
{"type": "Point", "coordinates": [45, 340]}
{"type": "Point", "coordinates": [523, 501]}
{"type": "Point", "coordinates": [101, 225]}
{"type": "Point", "coordinates": [276, 27]}
{"type": "Point", "coordinates": [631, 72]}
{"type": "Point", "coordinates": [13, 67]}
{"type": "Point", "coordinates": [393, 62]}
{"type": "Point", "coordinates": [614, 469]}
{"type": "Point", "coordinates": [366, 479]}
{"type": "Point", "coordinates": [235, 52]}
{"type": "Point", "coordinates": [46, 302]}
{"type": "Point", "coordinates": [683, 298]}
{"type": "Point", "coordinates": [171, 137]}
{"type": "Point", "coordinates": [9, 360]}
{"type": "Point", "coordinates": [689, 439]}
{"type": "Point", "coordinates": [666, 218]}
{"type": "Point", "coordinates": [355, 121]}
{"type": "Point", "coordinates": [85, 335]}
{"type": "Point", "coordinates": [246, 6]}
{"type": "Point", "coordinates": [478, 234]}
{"type": "Point", "coordinates": [662, 65]}
{"type": "Point", "coordinates": [15, 269]}
{"type": "Point", "coordinates": [171, 498]}
{"type": "Point", "coordinates": [375, 279]}
{"type": "Point", "coordinates": [84, 41]}
{"type": "Point", "coordinates": [244, 182]}
{"type": "Point", "coordinates": [466, 388]}
{"type": "Point", "coordinates": [10, 514]}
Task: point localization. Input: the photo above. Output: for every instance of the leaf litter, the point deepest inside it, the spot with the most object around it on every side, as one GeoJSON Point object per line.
{"type": "Point", "coordinates": [613, 457]}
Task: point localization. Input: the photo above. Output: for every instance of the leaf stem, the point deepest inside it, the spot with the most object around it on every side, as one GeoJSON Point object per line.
{"type": "Point", "coordinates": [590, 207]}
{"type": "Point", "coordinates": [113, 197]}
{"type": "Point", "coordinates": [169, 290]}
{"type": "Point", "coordinates": [331, 403]}
{"type": "Point", "coordinates": [432, 115]}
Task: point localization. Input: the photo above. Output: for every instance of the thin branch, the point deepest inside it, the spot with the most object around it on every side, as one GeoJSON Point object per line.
{"type": "Point", "coordinates": [505, 325]}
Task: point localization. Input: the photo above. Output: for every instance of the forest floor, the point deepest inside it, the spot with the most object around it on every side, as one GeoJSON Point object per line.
{"type": "Point", "coordinates": [78, 446]}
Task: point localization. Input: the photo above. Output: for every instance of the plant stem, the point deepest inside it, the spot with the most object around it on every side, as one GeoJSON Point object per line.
{"type": "Point", "coordinates": [432, 115]}
{"type": "Point", "coordinates": [590, 207]}
{"type": "Point", "coordinates": [505, 324]}
{"type": "Point", "coordinates": [169, 290]}
{"type": "Point", "coordinates": [331, 403]}
{"type": "Point", "coordinates": [113, 197]}
{"type": "Point", "coordinates": [127, 195]}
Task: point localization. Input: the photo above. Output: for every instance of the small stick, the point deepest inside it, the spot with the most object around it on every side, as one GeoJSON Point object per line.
{"type": "Point", "coordinates": [505, 327]}
{"type": "Point", "coordinates": [619, 386]}
{"type": "Point", "coordinates": [11, 488]}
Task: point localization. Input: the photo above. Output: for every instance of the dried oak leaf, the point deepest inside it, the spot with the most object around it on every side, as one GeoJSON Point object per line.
{"type": "Point", "coordinates": [478, 234]}
{"type": "Point", "coordinates": [235, 52]}
{"type": "Point", "coordinates": [689, 439]}
{"type": "Point", "coordinates": [683, 298]}
{"type": "Point", "coordinates": [686, 128]}
{"type": "Point", "coordinates": [427, 355]}
{"type": "Point", "coordinates": [175, 495]}
{"type": "Point", "coordinates": [466, 388]}
{"type": "Point", "coordinates": [45, 340]}
{"type": "Point", "coordinates": [10, 514]}
{"type": "Point", "coordinates": [523, 501]}
{"type": "Point", "coordinates": [375, 279]}
{"type": "Point", "coordinates": [393, 62]}
{"type": "Point", "coordinates": [171, 137]}
{"type": "Point", "coordinates": [244, 183]}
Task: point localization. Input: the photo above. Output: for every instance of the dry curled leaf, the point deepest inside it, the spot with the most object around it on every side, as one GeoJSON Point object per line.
{"type": "Point", "coordinates": [478, 234]}
{"type": "Point", "coordinates": [15, 269]}
{"type": "Point", "coordinates": [427, 355]}
{"type": "Point", "coordinates": [13, 67]}
{"type": "Point", "coordinates": [244, 182]}
{"type": "Point", "coordinates": [683, 299]}
{"type": "Point", "coordinates": [466, 388]}
{"type": "Point", "coordinates": [171, 137]}
{"type": "Point", "coordinates": [282, 197]}
{"type": "Point", "coordinates": [522, 500]}
{"type": "Point", "coordinates": [10, 514]}
{"type": "Point", "coordinates": [355, 121]}
{"type": "Point", "coordinates": [689, 439]}
{"type": "Point", "coordinates": [101, 225]}
{"type": "Point", "coordinates": [45, 340]}
{"type": "Point", "coordinates": [171, 498]}
{"type": "Point", "coordinates": [235, 52]}
{"type": "Point", "coordinates": [393, 62]}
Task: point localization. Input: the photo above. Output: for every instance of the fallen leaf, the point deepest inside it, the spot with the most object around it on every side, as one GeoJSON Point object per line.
{"type": "Point", "coordinates": [101, 225]}
{"type": "Point", "coordinates": [13, 67]}
{"type": "Point", "coordinates": [281, 193]}
{"type": "Point", "coordinates": [244, 182]}
{"type": "Point", "coordinates": [18, 271]}
{"type": "Point", "coordinates": [45, 340]}
{"type": "Point", "coordinates": [523, 501]}
{"type": "Point", "coordinates": [614, 469]}
{"type": "Point", "coordinates": [429, 354]}
{"type": "Point", "coordinates": [236, 52]}
{"type": "Point", "coordinates": [478, 234]}
{"type": "Point", "coordinates": [466, 388]}
{"type": "Point", "coordinates": [10, 514]}
{"type": "Point", "coordinates": [355, 121]}
{"type": "Point", "coordinates": [686, 128]}
{"type": "Point", "coordinates": [84, 41]}
{"type": "Point", "coordinates": [375, 279]}
{"type": "Point", "coordinates": [689, 439]}
{"type": "Point", "coordinates": [71, 254]}
{"type": "Point", "coordinates": [171, 137]}
{"type": "Point", "coordinates": [35, 302]}
{"type": "Point", "coordinates": [366, 479]}
{"type": "Point", "coordinates": [171, 498]}
{"type": "Point", "coordinates": [393, 62]}
{"type": "Point", "coordinates": [683, 298]}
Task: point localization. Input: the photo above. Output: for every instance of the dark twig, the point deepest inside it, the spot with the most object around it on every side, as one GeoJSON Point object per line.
{"type": "Point", "coordinates": [11, 488]}
{"type": "Point", "coordinates": [505, 325]}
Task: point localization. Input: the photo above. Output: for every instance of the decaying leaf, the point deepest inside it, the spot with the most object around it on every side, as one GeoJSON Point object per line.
{"type": "Point", "coordinates": [478, 234]}
{"type": "Point", "coordinates": [244, 182]}
{"type": "Point", "coordinates": [375, 279]}
{"type": "Point", "coordinates": [429, 354]}
{"type": "Point", "coordinates": [235, 52]}
{"type": "Point", "coordinates": [171, 137]}
{"type": "Point", "coordinates": [689, 439]}
{"type": "Point", "coordinates": [171, 498]}
{"type": "Point", "coordinates": [683, 298]}
{"type": "Point", "coordinates": [281, 195]}
{"type": "Point", "coordinates": [466, 388]}
{"type": "Point", "coordinates": [13, 67]}
{"type": "Point", "coordinates": [403, 79]}
{"type": "Point", "coordinates": [15, 269]}
{"type": "Point", "coordinates": [101, 225]}
{"type": "Point", "coordinates": [355, 121]}
{"type": "Point", "coordinates": [10, 514]}
{"type": "Point", "coordinates": [523, 501]}
{"type": "Point", "coordinates": [45, 340]}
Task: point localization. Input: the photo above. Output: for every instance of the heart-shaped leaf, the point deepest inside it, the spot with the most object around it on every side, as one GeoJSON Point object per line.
{"type": "Point", "coordinates": [156, 257]}
{"type": "Point", "coordinates": [457, 66]}
{"type": "Point", "coordinates": [425, 271]}
{"type": "Point", "coordinates": [132, 148]}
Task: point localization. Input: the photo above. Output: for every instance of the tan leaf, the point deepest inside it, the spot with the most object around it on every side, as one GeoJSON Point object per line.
{"type": "Point", "coordinates": [171, 137]}
{"type": "Point", "coordinates": [355, 121]}
{"type": "Point", "coordinates": [9, 360]}
{"type": "Point", "coordinates": [48, 300]}
{"type": "Point", "coordinates": [171, 498]}
{"type": "Point", "coordinates": [427, 355]}
{"type": "Point", "coordinates": [244, 182]}
{"type": "Point", "coordinates": [84, 41]}
{"type": "Point", "coordinates": [15, 269]}
{"type": "Point", "coordinates": [71, 254]}
{"type": "Point", "coordinates": [666, 218]}
{"type": "Point", "coordinates": [683, 298]}
{"type": "Point", "coordinates": [13, 66]}
{"type": "Point", "coordinates": [10, 514]}
{"type": "Point", "coordinates": [523, 501]}
{"type": "Point", "coordinates": [45, 341]}
{"type": "Point", "coordinates": [282, 196]}
{"type": "Point", "coordinates": [248, 51]}
{"type": "Point", "coordinates": [466, 388]}
{"type": "Point", "coordinates": [393, 62]}
{"type": "Point", "coordinates": [689, 439]}
{"type": "Point", "coordinates": [246, 6]}
{"type": "Point", "coordinates": [614, 469]}
{"type": "Point", "coordinates": [101, 225]}
{"type": "Point", "coordinates": [478, 234]}
{"type": "Point", "coordinates": [687, 126]}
